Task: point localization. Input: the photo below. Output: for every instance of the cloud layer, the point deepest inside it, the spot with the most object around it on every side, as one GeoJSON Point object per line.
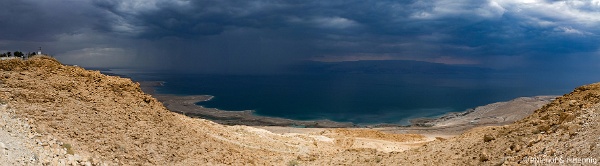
{"type": "Point", "coordinates": [266, 35]}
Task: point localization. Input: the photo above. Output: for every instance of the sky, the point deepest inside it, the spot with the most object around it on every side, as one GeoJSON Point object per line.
{"type": "Point", "coordinates": [257, 36]}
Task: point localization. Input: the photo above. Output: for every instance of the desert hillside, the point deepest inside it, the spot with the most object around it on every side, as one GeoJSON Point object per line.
{"type": "Point", "coordinates": [70, 115]}
{"type": "Point", "coordinates": [564, 131]}
{"type": "Point", "coordinates": [109, 120]}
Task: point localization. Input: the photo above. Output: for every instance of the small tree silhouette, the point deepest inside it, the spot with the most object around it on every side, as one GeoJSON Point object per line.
{"type": "Point", "coordinates": [18, 54]}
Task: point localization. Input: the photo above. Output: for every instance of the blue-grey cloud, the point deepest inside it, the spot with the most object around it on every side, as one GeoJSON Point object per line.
{"type": "Point", "coordinates": [29, 20]}
{"type": "Point", "coordinates": [263, 35]}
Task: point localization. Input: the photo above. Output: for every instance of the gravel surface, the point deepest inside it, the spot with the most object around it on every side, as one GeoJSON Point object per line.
{"type": "Point", "coordinates": [20, 144]}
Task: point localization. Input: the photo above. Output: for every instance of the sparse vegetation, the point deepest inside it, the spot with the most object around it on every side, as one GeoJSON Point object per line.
{"type": "Point", "coordinates": [19, 54]}
{"type": "Point", "coordinates": [69, 148]}
{"type": "Point", "coordinates": [293, 163]}
{"type": "Point", "coordinates": [488, 138]}
{"type": "Point", "coordinates": [377, 159]}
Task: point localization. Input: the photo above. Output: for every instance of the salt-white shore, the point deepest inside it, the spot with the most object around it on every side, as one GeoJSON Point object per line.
{"type": "Point", "coordinates": [499, 113]}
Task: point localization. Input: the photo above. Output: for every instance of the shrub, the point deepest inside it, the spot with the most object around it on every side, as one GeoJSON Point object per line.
{"type": "Point", "coordinates": [293, 163]}
{"type": "Point", "coordinates": [69, 148]}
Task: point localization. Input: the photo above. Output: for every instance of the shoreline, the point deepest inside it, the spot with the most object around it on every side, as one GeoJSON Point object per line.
{"type": "Point", "coordinates": [499, 113]}
{"type": "Point", "coordinates": [186, 105]}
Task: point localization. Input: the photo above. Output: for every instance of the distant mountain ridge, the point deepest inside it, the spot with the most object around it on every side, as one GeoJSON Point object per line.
{"type": "Point", "coordinates": [386, 67]}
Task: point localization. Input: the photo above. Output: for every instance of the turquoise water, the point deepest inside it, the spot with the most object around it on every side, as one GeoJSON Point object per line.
{"type": "Point", "coordinates": [357, 98]}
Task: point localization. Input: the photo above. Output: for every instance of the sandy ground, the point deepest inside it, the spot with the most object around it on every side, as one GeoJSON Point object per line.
{"type": "Point", "coordinates": [21, 144]}
{"type": "Point", "coordinates": [75, 112]}
{"type": "Point", "coordinates": [441, 128]}
{"type": "Point", "coordinates": [499, 113]}
{"type": "Point", "coordinates": [187, 105]}
{"type": "Point", "coordinates": [113, 119]}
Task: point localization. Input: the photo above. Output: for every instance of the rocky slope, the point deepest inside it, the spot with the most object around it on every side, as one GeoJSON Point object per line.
{"type": "Point", "coordinates": [109, 120]}
{"type": "Point", "coordinates": [565, 131]}
{"type": "Point", "coordinates": [20, 145]}
{"type": "Point", "coordinates": [84, 117]}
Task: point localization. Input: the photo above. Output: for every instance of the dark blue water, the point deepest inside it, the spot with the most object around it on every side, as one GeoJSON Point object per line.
{"type": "Point", "coordinates": [358, 98]}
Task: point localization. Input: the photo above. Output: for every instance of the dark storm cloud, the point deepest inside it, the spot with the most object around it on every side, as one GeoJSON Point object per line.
{"type": "Point", "coordinates": [263, 35]}
{"type": "Point", "coordinates": [184, 19]}
{"type": "Point", "coordinates": [42, 20]}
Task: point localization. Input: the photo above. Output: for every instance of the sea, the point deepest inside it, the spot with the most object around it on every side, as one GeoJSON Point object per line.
{"type": "Point", "coordinates": [357, 97]}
